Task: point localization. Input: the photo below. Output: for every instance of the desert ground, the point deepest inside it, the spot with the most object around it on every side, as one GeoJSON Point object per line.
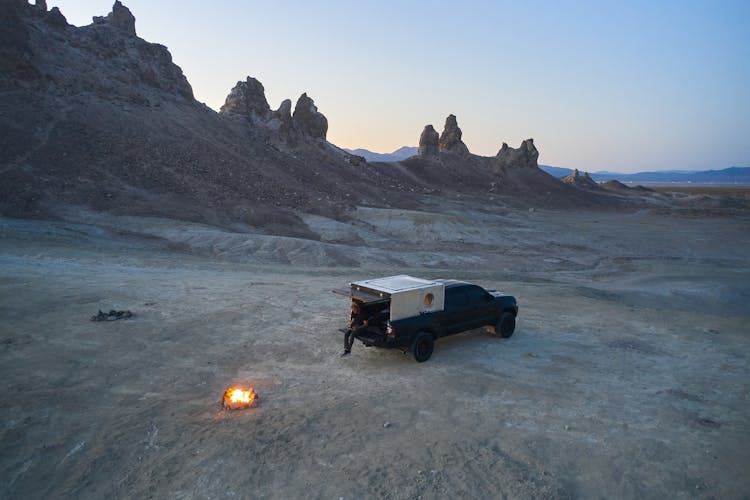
{"type": "Point", "coordinates": [627, 376]}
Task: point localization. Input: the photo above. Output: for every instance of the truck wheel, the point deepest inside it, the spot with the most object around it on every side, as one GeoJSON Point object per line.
{"type": "Point", "coordinates": [422, 346]}
{"type": "Point", "coordinates": [506, 325]}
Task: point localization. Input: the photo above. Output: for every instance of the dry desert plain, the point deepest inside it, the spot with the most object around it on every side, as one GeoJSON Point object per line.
{"type": "Point", "coordinates": [628, 375]}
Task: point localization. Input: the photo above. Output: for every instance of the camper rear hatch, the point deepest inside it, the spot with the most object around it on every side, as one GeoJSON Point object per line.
{"type": "Point", "coordinates": [364, 296]}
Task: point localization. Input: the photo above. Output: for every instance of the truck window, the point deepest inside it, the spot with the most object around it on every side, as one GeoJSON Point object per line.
{"type": "Point", "coordinates": [476, 295]}
{"type": "Point", "coordinates": [455, 298]}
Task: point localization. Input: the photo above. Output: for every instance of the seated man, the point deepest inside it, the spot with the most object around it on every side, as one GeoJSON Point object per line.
{"type": "Point", "coordinates": [357, 322]}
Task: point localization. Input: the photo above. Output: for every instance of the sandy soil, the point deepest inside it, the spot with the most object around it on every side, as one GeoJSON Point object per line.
{"type": "Point", "coordinates": [627, 377]}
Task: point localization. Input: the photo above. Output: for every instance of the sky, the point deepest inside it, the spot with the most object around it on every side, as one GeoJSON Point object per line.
{"type": "Point", "coordinates": [621, 86]}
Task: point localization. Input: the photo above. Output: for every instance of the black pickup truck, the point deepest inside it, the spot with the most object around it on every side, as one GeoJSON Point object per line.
{"type": "Point", "coordinates": [465, 307]}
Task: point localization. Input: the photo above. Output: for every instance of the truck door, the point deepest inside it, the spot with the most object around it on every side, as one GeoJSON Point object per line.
{"type": "Point", "coordinates": [481, 311]}
{"type": "Point", "coordinates": [455, 311]}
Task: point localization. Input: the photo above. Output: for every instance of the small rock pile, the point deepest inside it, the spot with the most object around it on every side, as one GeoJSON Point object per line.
{"type": "Point", "coordinates": [111, 315]}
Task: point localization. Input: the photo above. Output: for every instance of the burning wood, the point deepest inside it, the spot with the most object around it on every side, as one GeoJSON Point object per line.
{"type": "Point", "coordinates": [236, 398]}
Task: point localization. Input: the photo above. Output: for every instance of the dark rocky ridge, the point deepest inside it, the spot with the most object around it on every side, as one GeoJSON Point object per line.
{"type": "Point", "coordinates": [96, 116]}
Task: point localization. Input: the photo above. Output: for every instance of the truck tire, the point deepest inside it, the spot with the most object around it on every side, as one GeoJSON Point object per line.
{"type": "Point", "coordinates": [422, 346]}
{"type": "Point", "coordinates": [506, 325]}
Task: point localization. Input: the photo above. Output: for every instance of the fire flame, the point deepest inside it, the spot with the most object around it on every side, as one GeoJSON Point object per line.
{"type": "Point", "coordinates": [236, 398]}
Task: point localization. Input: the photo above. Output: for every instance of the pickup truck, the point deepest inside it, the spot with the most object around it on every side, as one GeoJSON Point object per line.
{"type": "Point", "coordinates": [410, 313]}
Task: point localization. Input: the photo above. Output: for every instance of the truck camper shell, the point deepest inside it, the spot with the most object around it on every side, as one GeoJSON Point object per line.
{"type": "Point", "coordinates": [406, 296]}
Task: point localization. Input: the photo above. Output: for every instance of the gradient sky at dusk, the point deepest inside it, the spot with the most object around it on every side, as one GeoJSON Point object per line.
{"type": "Point", "coordinates": [605, 85]}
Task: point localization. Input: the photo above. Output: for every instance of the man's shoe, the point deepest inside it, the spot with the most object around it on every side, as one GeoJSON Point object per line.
{"type": "Point", "coordinates": [346, 353]}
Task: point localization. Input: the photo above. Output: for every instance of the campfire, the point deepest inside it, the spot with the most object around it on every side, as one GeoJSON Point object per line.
{"type": "Point", "coordinates": [237, 398]}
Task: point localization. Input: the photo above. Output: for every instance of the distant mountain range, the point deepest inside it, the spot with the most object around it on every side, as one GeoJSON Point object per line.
{"type": "Point", "coordinates": [398, 155]}
{"type": "Point", "coordinates": [731, 175]}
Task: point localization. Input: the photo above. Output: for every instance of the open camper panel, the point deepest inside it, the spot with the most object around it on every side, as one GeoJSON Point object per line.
{"type": "Point", "coordinates": [408, 296]}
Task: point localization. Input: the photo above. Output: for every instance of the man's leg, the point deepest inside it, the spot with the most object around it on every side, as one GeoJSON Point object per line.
{"type": "Point", "coordinates": [348, 341]}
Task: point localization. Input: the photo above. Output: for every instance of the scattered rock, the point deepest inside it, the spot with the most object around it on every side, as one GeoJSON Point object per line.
{"type": "Point", "coordinates": [111, 315]}
{"type": "Point", "coordinates": [687, 396]}
{"type": "Point", "coordinates": [450, 139]}
{"type": "Point", "coordinates": [634, 345]}
{"type": "Point", "coordinates": [356, 160]}
{"type": "Point", "coordinates": [386, 425]}
{"type": "Point", "coordinates": [428, 142]}
{"type": "Point", "coordinates": [525, 156]}
{"type": "Point", "coordinates": [17, 340]}
{"type": "Point", "coordinates": [707, 422]}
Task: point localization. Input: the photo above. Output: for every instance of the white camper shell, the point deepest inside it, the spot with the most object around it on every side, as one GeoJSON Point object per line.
{"type": "Point", "coordinates": [409, 296]}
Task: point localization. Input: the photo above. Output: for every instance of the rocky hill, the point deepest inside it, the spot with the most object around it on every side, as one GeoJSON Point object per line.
{"type": "Point", "coordinates": [582, 180]}
{"type": "Point", "coordinates": [510, 177]}
{"type": "Point", "coordinates": [95, 116]}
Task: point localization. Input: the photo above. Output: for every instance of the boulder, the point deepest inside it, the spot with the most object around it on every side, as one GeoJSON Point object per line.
{"type": "Point", "coordinates": [428, 142]}
{"type": "Point", "coordinates": [248, 99]}
{"type": "Point", "coordinates": [450, 139]}
{"type": "Point", "coordinates": [356, 160]}
{"type": "Point", "coordinates": [120, 18]}
{"type": "Point", "coordinates": [308, 120]}
{"type": "Point", "coordinates": [525, 156]}
{"type": "Point", "coordinates": [41, 5]}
